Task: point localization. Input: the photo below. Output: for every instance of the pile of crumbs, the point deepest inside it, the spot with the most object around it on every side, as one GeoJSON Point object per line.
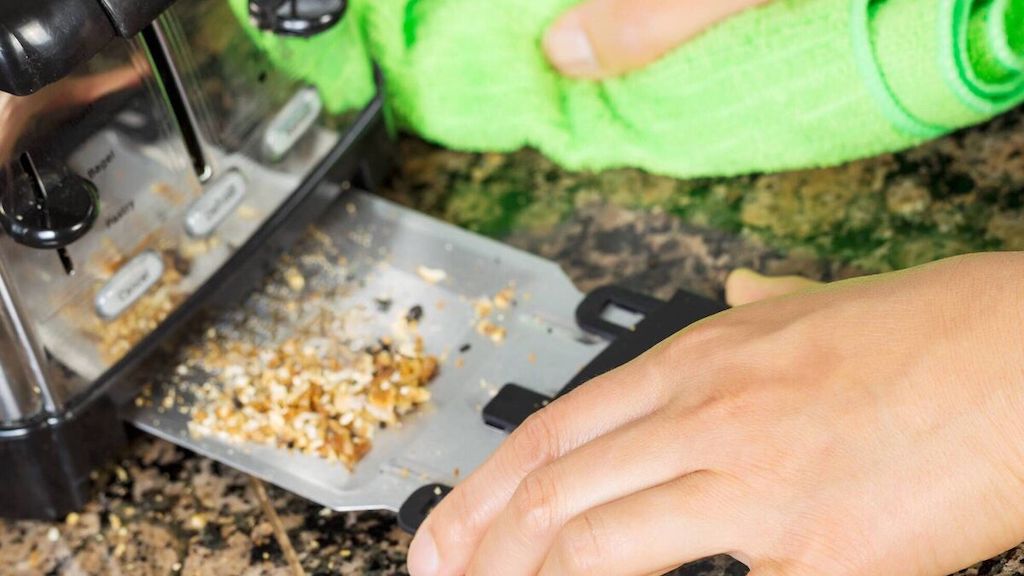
{"type": "Point", "coordinates": [313, 395]}
{"type": "Point", "coordinates": [291, 369]}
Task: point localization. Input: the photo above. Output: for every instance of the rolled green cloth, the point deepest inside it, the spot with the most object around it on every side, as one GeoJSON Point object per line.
{"type": "Point", "coordinates": [792, 84]}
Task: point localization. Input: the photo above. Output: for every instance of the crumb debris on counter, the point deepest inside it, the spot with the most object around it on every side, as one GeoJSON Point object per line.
{"type": "Point", "coordinates": [296, 281]}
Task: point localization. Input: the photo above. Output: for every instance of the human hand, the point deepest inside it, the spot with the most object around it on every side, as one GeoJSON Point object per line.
{"type": "Point", "coordinates": [863, 428]}
{"type": "Point", "coordinates": [602, 38]}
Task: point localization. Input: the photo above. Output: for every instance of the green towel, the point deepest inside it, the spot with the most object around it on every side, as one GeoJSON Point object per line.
{"type": "Point", "coordinates": [793, 84]}
{"type": "Point", "coordinates": [336, 61]}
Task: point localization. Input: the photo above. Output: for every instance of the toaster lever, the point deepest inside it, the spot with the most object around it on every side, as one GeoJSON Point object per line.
{"type": "Point", "coordinates": [48, 209]}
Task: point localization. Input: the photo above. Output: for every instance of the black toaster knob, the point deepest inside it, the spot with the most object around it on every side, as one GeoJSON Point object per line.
{"type": "Point", "coordinates": [42, 41]}
{"type": "Point", "coordinates": [296, 17]}
{"type": "Point", "coordinates": [48, 209]}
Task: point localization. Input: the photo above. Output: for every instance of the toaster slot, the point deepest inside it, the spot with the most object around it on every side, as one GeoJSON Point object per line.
{"type": "Point", "coordinates": [174, 91]}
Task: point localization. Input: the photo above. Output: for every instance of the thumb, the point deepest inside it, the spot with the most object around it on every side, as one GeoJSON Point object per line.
{"type": "Point", "coordinates": [602, 38]}
{"type": "Point", "coordinates": [746, 286]}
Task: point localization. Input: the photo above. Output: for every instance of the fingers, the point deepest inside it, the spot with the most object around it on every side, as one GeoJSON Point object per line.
{"type": "Point", "coordinates": [746, 286]}
{"type": "Point", "coordinates": [636, 536]}
{"type": "Point", "coordinates": [447, 540]}
{"type": "Point", "coordinates": [602, 38]}
{"type": "Point", "coordinates": [658, 449]}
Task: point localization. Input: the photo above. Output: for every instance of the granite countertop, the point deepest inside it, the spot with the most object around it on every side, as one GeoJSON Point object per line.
{"type": "Point", "coordinates": [163, 511]}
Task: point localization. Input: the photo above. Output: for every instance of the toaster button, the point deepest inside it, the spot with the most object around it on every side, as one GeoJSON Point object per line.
{"type": "Point", "coordinates": [128, 284]}
{"type": "Point", "coordinates": [291, 123]}
{"type": "Point", "coordinates": [213, 207]}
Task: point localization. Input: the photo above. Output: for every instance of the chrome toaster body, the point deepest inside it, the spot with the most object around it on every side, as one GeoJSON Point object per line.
{"type": "Point", "coordinates": [156, 174]}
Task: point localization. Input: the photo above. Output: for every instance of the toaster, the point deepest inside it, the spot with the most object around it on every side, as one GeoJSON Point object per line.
{"type": "Point", "coordinates": [150, 156]}
{"type": "Point", "coordinates": [154, 162]}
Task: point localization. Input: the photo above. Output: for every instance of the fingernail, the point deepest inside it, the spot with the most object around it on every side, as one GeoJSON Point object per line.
{"type": "Point", "coordinates": [568, 46]}
{"type": "Point", "coordinates": [423, 557]}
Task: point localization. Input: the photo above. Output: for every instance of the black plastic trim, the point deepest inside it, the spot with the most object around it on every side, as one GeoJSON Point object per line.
{"type": "Point", "coordinates": [511, 406]}
{"type": "Point", "coordinates": [41, 41]}
{"type": "Point", "coordinates": [657, 326]}
{"type": "Point", "coordinates": [419, 505]}
{"type": "Point", "coordinates": [514, 404]}
{"type": "Point", "coordinates": [47, 470]}
{"type": "Point", "coordinates": [589, 313]}
{"type": "Point", "coordinates": [131, 16]}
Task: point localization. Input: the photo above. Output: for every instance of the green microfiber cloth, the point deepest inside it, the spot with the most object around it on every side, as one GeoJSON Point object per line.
{"type": "Point", "coordinates": [793, 84]}
{"type": "Point", "coordinates": [336, 62]}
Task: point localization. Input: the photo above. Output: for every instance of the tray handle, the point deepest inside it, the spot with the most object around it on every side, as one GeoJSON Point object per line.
{"type": "Point", "coordinates": [590, 313]}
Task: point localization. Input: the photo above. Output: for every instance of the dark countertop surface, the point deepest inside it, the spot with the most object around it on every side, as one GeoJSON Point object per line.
{"type": "Point", "coordinates": [161, 510]}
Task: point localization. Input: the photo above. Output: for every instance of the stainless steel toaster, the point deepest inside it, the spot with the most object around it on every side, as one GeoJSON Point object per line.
{"type": "Point", "coordinates": [154, 159]}
{"type": "Point", "coordinates": [151, 157]}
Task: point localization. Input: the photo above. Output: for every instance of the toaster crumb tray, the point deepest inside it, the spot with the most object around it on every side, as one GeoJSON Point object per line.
{"type": "Point", "coordinates": [492, 315]}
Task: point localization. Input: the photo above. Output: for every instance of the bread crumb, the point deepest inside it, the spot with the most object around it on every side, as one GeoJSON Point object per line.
{"type": "Point", "coordinates": [296, 281]}
{"type": "Point", "coordinates": [431, 275]}
{"type": "Point", "coordinates": [492, 331]}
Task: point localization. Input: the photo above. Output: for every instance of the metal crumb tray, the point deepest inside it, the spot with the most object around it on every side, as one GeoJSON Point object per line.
{"type": "Point", "coordinates": [385, 245]}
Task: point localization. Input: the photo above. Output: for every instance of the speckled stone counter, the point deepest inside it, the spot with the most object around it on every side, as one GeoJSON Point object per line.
{"type": "Point", "coordinates": [162, 511]}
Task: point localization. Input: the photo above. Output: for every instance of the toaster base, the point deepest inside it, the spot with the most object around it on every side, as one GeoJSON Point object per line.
{"type": "Point", "coordinates": [49, 465]}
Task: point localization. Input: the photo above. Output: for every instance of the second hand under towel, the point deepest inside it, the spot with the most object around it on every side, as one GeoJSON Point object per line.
{"type": "Point", "coordinates": [793, 84]}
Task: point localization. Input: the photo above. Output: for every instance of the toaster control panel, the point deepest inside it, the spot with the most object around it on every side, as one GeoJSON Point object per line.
{"type": "Point", "coordinates": [292, 123]}
{"type": "Point", "coordinates": [131, 182]}
{"type": "Point", "coordinates": [219, 201]}
{"type": "Point", "coordinates": [130, 282]}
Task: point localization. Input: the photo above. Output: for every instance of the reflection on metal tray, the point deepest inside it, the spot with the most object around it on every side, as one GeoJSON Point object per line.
{"type": "Point", "coordinates": [386, 244]}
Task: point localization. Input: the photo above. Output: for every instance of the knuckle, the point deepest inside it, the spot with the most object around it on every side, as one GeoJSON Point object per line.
{"type": "Point", "coordinates": [537, 441]}
{"type": "Point", "coordinates": [703, 340]}
{"type": "Point", "coordinates": [536, 504]}
{"type": "Point", "coordinates": [581, 545]}
{"type": "Point", "coordinates": [456, 520]}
